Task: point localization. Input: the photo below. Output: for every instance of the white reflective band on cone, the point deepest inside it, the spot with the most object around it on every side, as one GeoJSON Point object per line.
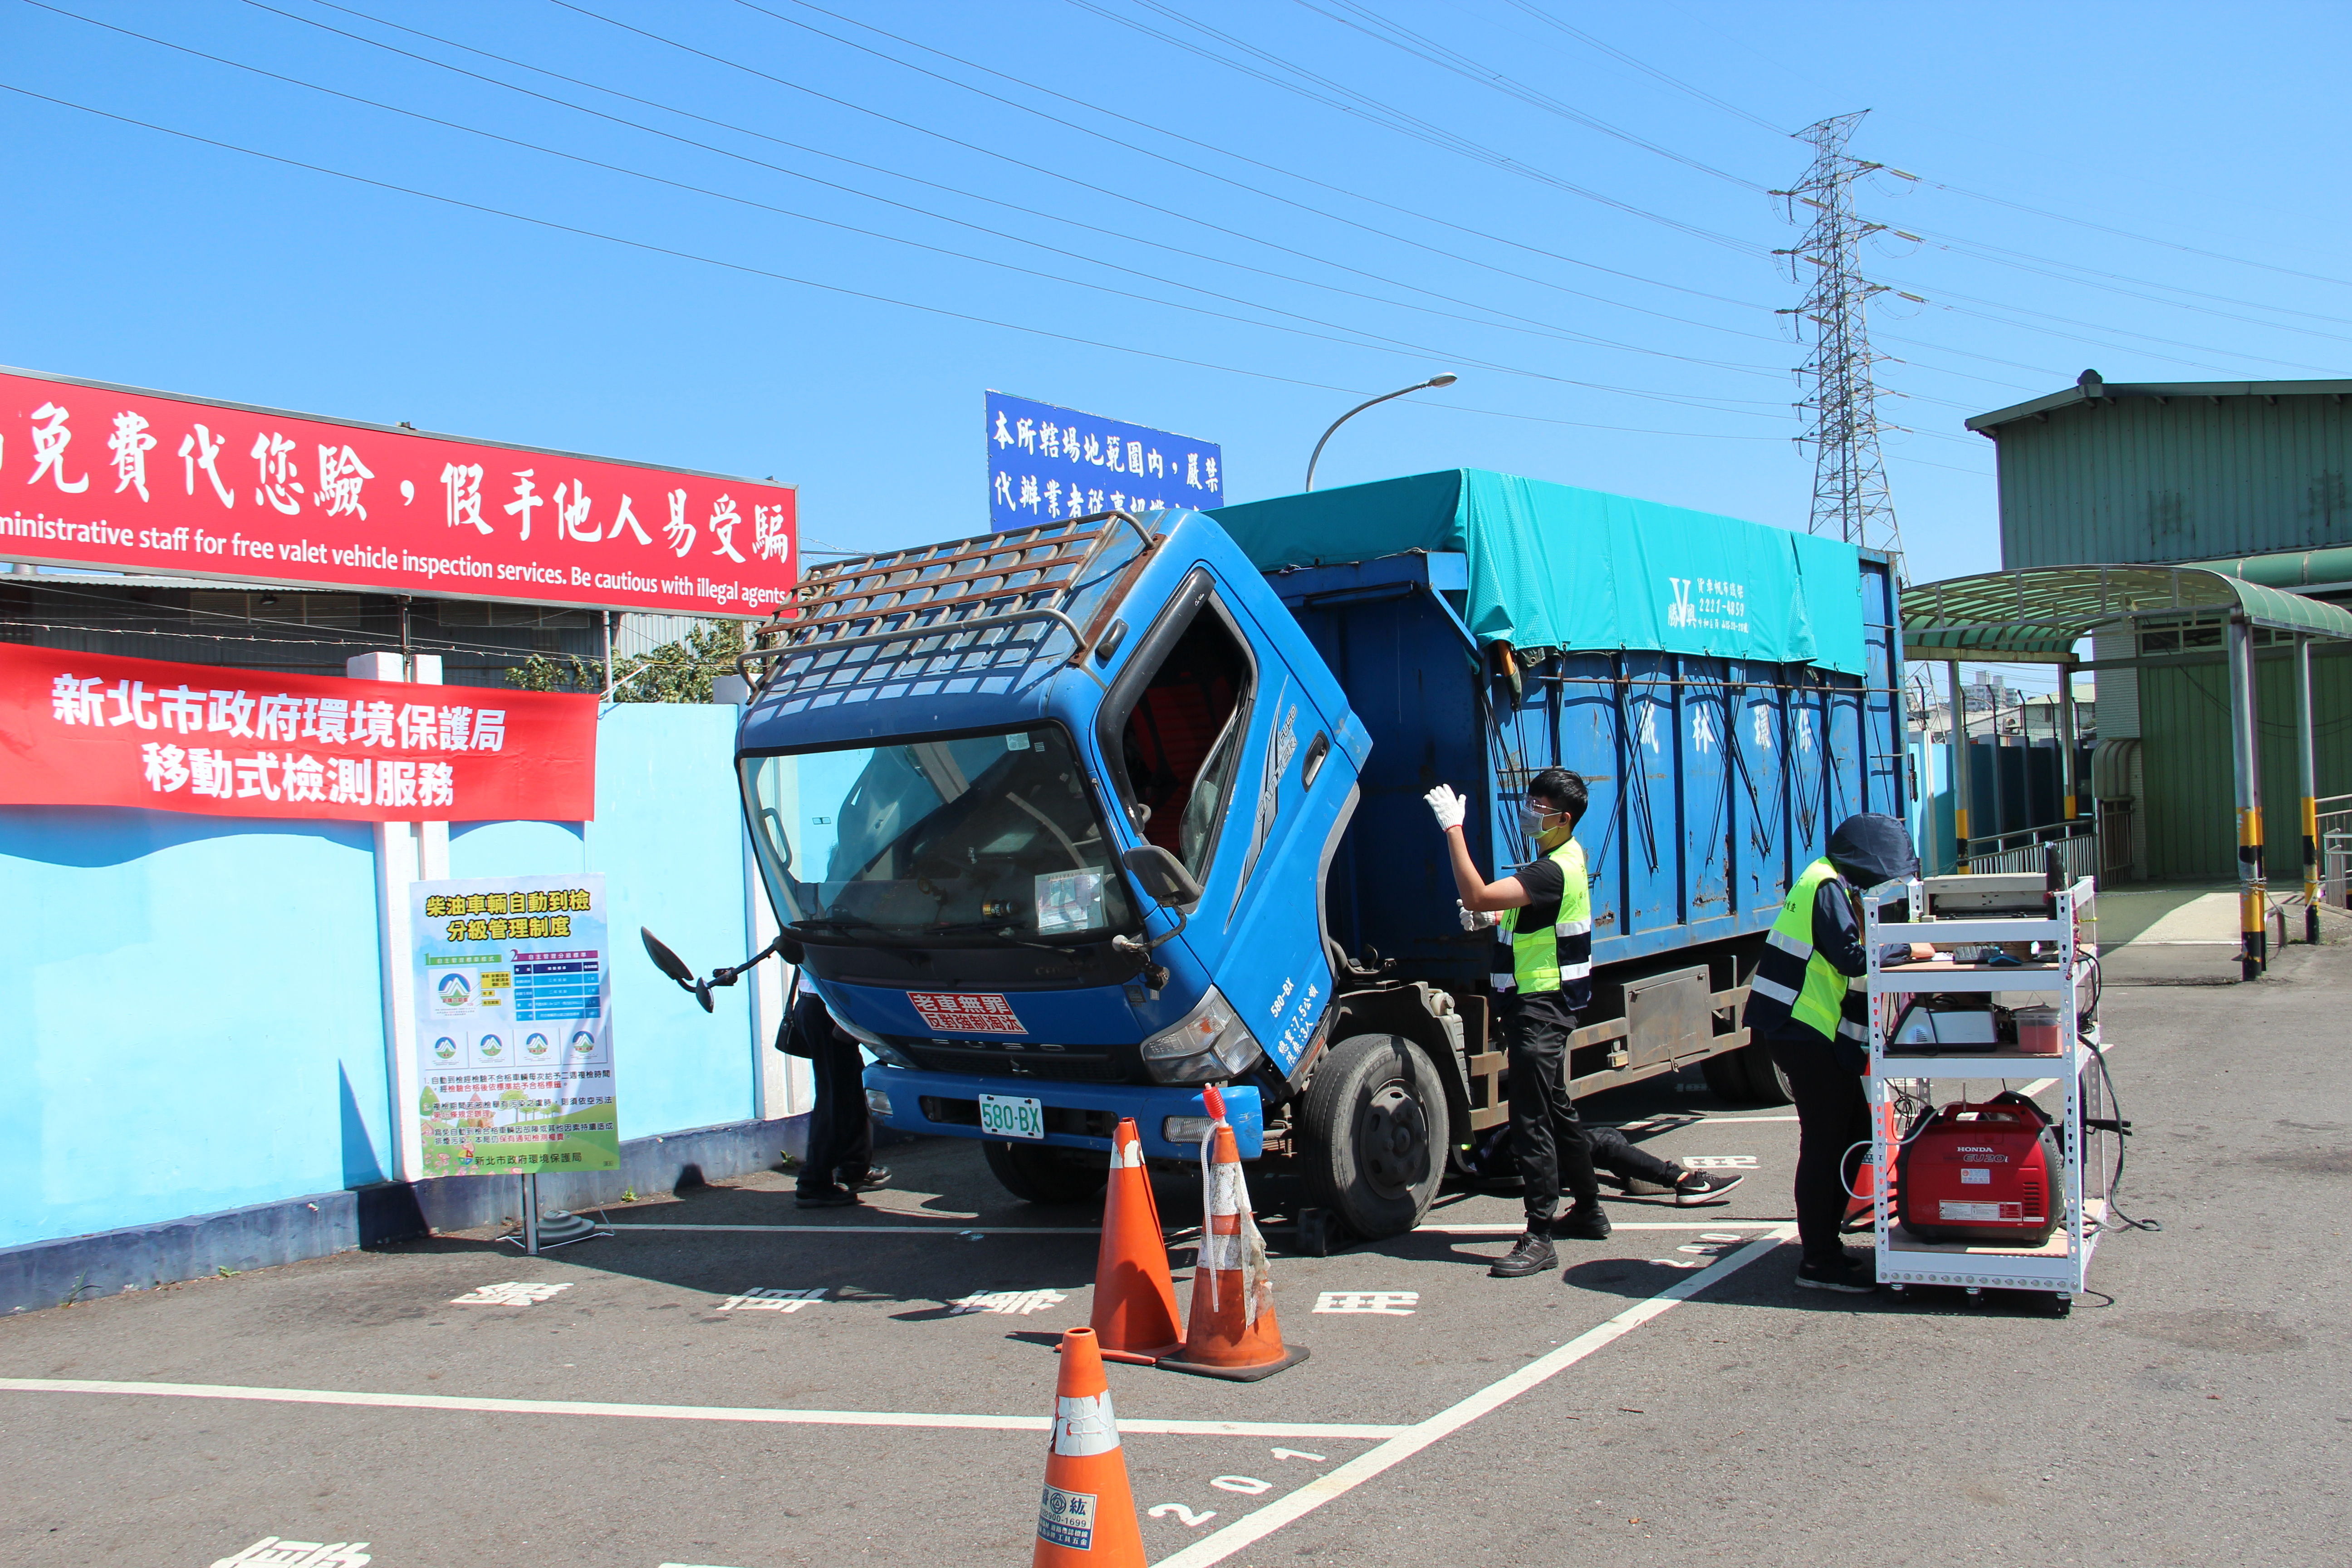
{"type": "Point", "coordinates": [1084, 1425]}
{"type": "Point", "coordinates": [1128, 1155]}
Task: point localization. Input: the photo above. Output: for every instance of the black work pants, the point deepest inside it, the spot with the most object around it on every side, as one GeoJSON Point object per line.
{"type": "Point", "coordinates": [1547, 1141]}
{"type": "Point", "coordinates": [1832, 1135]}
{"type": "Point", "coordinates": [840, 1133]}
{"type": "Point", "coordinates": [1620, 1156]}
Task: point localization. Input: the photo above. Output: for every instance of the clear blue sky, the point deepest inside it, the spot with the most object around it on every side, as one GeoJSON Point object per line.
{"type": "Point", "coordinates": [1323, 254]}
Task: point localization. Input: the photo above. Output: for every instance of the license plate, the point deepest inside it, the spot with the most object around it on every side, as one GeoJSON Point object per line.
{"type": "Point", "coordinates": [1009, 1116]}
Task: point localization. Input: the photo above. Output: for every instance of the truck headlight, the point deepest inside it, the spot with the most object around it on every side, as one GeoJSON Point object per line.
{"type": "Point", "coordinates": [884, 1051]}
{"type": "Point", "coordinates": [1209, 1043]}
{"type": "Point", "coordinates": [878, 1103]}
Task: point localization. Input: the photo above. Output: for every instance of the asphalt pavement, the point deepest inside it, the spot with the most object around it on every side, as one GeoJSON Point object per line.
{"type": "Point", "coordinates": [1667, 1396]}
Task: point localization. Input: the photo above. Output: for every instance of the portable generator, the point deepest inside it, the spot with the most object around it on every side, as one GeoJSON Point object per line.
{"type": "Point", "coordinates": [1983, 1174]}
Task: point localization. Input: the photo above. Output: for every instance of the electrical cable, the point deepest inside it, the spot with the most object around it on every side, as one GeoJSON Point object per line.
{"type": "Point", "coordinates": [1550, 20]}
{"type": "Point", "coordinates": [1527, 323]}
{"type": "Point", "coordinates": [1394, 344]}
{"type": "Point", "coordinates": [1221, 152]}
{"type": "Point", "coordinates": [1373, 110]}
{"type": "Point", "coordinates": [1424, 47]}
{"type": "Point", "coordinates": [2121, 1130]}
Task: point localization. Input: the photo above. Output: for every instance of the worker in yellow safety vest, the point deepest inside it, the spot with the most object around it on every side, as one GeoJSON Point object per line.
{"type": "Point", "coordinates": [1542, 917]}
{"type": "Point", "coordinates": [1803, 1008]}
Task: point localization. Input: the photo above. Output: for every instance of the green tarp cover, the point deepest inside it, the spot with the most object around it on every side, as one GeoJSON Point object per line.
{"type": "Point", "coordinates": [1551, 566]}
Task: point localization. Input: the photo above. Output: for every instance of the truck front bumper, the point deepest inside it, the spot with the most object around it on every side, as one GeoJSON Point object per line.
{"type": "Point", "coordinates": [1078, 1115]}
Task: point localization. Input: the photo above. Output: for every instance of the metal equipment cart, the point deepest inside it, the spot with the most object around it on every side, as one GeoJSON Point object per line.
{"type": "Point", "coordinates": [1900, 1077]}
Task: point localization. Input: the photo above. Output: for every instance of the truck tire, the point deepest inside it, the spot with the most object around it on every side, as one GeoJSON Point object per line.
{"type": "Point", "coordinates": [1374, 1134]}
{"type": "Point", "coordinates": [1726, 1075]}
{"type": "Point", "coordinates": [1039, 1173]}
{"type": "Point", "coordinates": [1767, 1084]}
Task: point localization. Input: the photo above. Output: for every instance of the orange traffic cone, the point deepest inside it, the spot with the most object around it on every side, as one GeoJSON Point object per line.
{"type": "Point", "coordinates": [1232, 1331]}
{"type": "Point", "coordinates": [1135, 1299]}
{"type": "Point", "coordinates": [1087, 1514]}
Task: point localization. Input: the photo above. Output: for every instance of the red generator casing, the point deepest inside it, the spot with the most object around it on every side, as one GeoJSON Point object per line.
{"type": "Point", "coordinates": [1986, 1174]}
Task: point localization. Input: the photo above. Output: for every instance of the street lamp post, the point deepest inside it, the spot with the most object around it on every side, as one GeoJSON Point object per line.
{"type": "Point", "coordinates": [1445, 379]}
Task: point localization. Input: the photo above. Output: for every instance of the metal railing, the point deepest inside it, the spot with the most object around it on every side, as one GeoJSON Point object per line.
{"type": "Point", "coordinates": [2077, 843]}
{"type": "Point", "coordinates": [2335, 868]}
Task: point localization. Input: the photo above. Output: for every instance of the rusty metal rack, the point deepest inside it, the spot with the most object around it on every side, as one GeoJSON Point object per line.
{"type": "Point", "coordinates": [962, 607]}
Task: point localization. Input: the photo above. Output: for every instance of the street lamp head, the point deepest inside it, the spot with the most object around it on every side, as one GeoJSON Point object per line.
{"type": "Point", "coordinates": [1444, 378]}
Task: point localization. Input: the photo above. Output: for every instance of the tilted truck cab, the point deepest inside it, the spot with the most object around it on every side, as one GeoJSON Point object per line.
{"type": "Point", "coordinates": [967, 766]}
{"type": "Point", "coordinates": [950, 751]}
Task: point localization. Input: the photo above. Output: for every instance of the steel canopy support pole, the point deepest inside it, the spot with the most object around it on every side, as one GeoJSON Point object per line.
{"type": "Point", "coordinates": [2307, 770]}
{"type": "Point", "coordinates": [530, 1213]}
{"type": "Point", "coordinates": [1960, 769]}
{"type": "Point", "coordinates": [2245, 775]}
{"type": "Point", "coordinates": [2066, 736]}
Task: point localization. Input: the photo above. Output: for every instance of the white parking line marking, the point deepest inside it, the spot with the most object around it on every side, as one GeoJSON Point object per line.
{"type": "Point", "coordinates": [1008, 1302]}
{"type": "Point", "coordinates": [509, 1293]}
{"type": "Point", "coordinates": [1296, 1454]}
{"type": "Point", "coordinates": [1184, 1516]}
{"type": "Point", "coordinates": [1520, 1228]}
{"type": "Point", "coordinates": [760, 1299]}
{"type": "Point", "coordinates": [1719, 1161]}
{"type": "Point", "coordinates": [1386, 1304]}
{"type": "Point", "coordinates": [272, 1548]}
{"type": "Point", "coordinates": [1257, 1526]}
{"type": "Point", "coordinates": [1248, 1486]}
{"type": "Point", "coordinates": [1337, 1430]}
{"type": "Point", "coordinates": [623, 1227]}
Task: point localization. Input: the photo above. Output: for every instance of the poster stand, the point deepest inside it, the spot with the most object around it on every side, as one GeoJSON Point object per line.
{"type": "Point", "coordinates": [550, 1227]}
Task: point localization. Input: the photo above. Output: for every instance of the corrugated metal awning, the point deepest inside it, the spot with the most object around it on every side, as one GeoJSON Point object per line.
{"type": "Point", "coordinates": [2038, 615]}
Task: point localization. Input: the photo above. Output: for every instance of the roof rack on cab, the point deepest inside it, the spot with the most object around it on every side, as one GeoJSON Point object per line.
{"type": "Point", "coordinates": [869, 616]}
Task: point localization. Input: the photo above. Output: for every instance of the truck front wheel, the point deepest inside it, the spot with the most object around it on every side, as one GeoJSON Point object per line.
{"type": "Point", "coordinates": [1374, 1134]}
{"type": "Point", "coordinates": [1040, 1173]}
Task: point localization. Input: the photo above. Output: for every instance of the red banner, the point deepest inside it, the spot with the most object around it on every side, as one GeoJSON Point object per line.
{"type": "Point", "coordinates": [83, 729]}
{"type": "Point", "coordinates": [114, 477]}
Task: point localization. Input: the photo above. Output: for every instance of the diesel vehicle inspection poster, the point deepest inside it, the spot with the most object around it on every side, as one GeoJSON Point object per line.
{"type": "Point", "coordinates": [514, 1026]}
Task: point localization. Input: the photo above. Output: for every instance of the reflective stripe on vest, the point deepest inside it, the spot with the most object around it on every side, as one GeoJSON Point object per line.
{"type": "Point", "coordinates": [1557, 956]}
{"type": "Point", "coordinates": [1791, 973]}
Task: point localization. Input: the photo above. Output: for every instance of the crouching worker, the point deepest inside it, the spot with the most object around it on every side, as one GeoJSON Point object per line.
{"type": "Point", "coordinates": [1544, 970]}
{"type": "Point", "coordinates": [1803, 1008]}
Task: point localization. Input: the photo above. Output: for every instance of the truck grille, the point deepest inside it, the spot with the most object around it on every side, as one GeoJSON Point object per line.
{"type": "Point", "coordinates": [1057, 1067]}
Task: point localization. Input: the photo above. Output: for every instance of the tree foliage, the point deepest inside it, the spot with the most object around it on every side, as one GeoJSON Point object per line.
{"type": "Point", "coordinates": [680, 671]}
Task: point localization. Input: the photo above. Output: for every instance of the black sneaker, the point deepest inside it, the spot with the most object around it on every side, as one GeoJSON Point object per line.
{"type": "Point", "coordinates": [875, 1177]}
{"type": "Point", "coordinates": [1585, 1222]}
{"type": "Point", "coordinates": [1533, 1255]}
{"type": "Point", "coordinates": [1641, 1187]}
{"type": "Point", "coordinates": [1703, 1187]}
{"type": "Point", "coordinates": [1854, 1276]}
{"type": "Point", "coordinates": [826, 1198]}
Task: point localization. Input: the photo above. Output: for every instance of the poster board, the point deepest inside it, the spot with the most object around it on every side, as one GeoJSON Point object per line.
{"type": "Point", "coordinates": [514, 1026]}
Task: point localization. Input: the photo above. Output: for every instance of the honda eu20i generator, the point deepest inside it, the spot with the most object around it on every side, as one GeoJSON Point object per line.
{"type": "Point", "coordinates": [1982, 1173]}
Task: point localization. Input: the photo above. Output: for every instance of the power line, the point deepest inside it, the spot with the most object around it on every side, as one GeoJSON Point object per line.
{"type": "Point", "coordinates": [1616, 53]}
{"type": "Point", "coordinates": [1379, 342]}
{"type": "Point", "coordinates": [1368, 107]}
{"type": "Point", "coordinates": [1209, 147]}
{"type": "Point", "coordinates": [748, 270]}
{"type": "Point", "coordinates": [1424, 47]}
{"type": "Point", "coordinates": [1528, 324]}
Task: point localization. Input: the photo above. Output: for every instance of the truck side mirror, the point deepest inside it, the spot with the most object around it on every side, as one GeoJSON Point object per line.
{"type": "Point", "coordinates": [1162, 876]}
{"type": "Point", "coordinates": [668, 963]}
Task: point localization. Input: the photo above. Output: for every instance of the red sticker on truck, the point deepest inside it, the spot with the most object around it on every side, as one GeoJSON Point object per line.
{"type": "Point", "coordinates": [963, 1012]}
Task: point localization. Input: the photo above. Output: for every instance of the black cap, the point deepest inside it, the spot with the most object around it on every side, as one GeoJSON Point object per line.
{"type": "Point", "coordinates": [1871, 848]}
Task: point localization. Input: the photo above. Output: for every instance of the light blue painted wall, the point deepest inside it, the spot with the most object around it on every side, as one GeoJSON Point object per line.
{"type": "Point", "coordinates": [191, 1011]}
{"type": "Point", "coordinates": [190, 1016]}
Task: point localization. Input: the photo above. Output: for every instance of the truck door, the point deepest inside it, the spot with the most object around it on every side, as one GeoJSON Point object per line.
{"type": "Point", "coordinates": [1220, 755]}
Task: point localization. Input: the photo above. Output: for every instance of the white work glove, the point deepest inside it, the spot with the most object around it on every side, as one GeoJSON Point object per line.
{"type": "Point", "coordinates": [1476, 920]}
{"type": "Point", "coordinates": [1448, 807]}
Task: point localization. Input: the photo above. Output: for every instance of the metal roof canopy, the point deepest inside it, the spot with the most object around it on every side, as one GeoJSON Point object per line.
{"type": "Point", "coordinates": [2091, 388]}
{"type": "Point", "coordinates": [2037, 614]}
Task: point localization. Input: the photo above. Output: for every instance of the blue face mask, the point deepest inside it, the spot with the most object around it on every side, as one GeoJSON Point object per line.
{"type": "Point", "coordinates": [1531, 820]}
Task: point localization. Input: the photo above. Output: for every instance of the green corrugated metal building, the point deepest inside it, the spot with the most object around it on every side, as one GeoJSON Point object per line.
{"type": "Point", "coordinates": [2248, 478]}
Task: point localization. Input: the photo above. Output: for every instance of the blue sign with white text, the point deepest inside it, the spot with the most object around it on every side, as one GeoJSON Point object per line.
{"type": "Point", "coordinates": [1047, 463]}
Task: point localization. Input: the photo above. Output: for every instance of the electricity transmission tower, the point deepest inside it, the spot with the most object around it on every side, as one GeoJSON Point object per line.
{"type": "Point", "coordinates": [1849, 497]}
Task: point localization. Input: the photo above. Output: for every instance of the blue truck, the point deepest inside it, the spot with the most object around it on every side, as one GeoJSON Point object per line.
{"type": "Point", "coordinates": [1066, 822]}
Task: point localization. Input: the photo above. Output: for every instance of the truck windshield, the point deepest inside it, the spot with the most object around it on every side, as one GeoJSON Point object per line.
{"type": "Point", "coordinates": [981, 836]}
